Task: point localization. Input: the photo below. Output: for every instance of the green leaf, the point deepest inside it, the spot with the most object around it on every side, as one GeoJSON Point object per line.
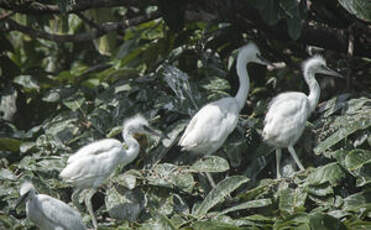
{"type": "Point", "coordinates": [210, 164]}
{"type": "Point", "coordinates": [247, 205]}
{"type": "Point", "coordinates": [6, 174]}
{"type": "Point", "coordinates": [28, 82]}
{"type": "Point", "coordinates": [213, 225]}
{"type": "Point", "coordinates": [10, 144]}
{"type": "Point", "coordinates": [360, 8]}
{"type": "Point", "coordinates": [125, 205]}
{"type": "Point", "coordinates": [270, 13]}
{"type": "Point", "coordinates": [358, 163]}
{"type": "Point", "coordinates": [292, 200]}
{"type": "Point", "coordinates": [169, 175]}
{"type": "Point", "coordinates": [74, 104]}
{"type": "Point", "coordinates": [50, 163]}
{"type": "Point", "coordinates": [358, 202]}
{"type": "Point", "coordinates": [263, 189]}
{"type": "Point", "coordinates": [356, 158]}
{"type": "Point", "coordinates": [319, 190]}
{"type": "Point", "coordinates": [105, 44]}
{"type": "Point", "coordinates": [160, 222]}
{"type": "Point", "coordinates": [217, 195]}
{"type": "Point", "coordinates": [343, 132]}
{"type": "Point", "coordinates": [363, 174]}
{"type": "Point", "coordinates": [325, 222]}
{"type": "Point", "coordinates": [127, 180]}
{"type": "Point", "coordinates": [294, 26]}
{"type": "Point", "coordinates": [295, 221]}
{"type": "Point", "coordinates": [331, 173]}
{"type": "Point", "coordinates": [293, 18]}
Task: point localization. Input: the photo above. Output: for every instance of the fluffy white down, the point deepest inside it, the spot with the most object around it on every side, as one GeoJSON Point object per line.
{"type": "Point", "coordinates": [93, 163]}
{"type": "Point", "coordinates": [210, 127]}
{"type": "Point", "coordinates": [26, 187]}
{"type": "Point", "coordinates": [285, 119]}
{"type": "Point", "coordinates": [49, 213]}
{"type": "Point", "coordinates": [135, 123]}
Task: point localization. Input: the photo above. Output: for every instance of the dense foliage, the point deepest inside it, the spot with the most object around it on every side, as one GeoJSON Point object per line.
{"type": "Point", "coordinates": [72, 72]}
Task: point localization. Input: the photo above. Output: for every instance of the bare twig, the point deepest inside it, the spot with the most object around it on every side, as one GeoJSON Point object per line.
{"type": "Point", "coordinates": [89, 22]}
{"type": "Point", "coordinates": [6, 15]}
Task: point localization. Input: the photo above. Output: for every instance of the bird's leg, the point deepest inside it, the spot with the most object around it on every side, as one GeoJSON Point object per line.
{"type": "Point", "coordinates": [75, 199]}
{"type": "Point", "coordinates": [296, 158]}
{"type": "Point", "coordinates": [211, 180]}
{"type": "Point", "coordinates": [90, 207]}
{"type": "Point", "coordinates": [278, 159]}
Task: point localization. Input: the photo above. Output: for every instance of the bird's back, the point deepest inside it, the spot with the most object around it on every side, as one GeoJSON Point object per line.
{"type": "Point", "coordinates": [210, 126]}
{"type": "Point", "coordinates": [94, 148]}
{"type": "Point", "coordinates": [90, 169]}
{"type": "Point", "coordinates": [50, 213]}
{"type": "Point", "coordinates": [285, 119]}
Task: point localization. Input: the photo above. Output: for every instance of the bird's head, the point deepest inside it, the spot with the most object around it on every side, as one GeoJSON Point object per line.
{"type": "Point", "coordinates": [27, 189]}
{"type": "Point", "coordinates": [138, 125]}
{"type": "Point", "coordinates": [317, 64]}
{"type": "Point", "coordinates": [251, 51]}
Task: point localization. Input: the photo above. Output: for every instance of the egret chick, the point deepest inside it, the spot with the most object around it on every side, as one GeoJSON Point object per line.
{"type": "Point", "coordinates": [48, 213]}
{"type": "Point", "coordinates": [288, 112]}
{"type": "Point", "coordinates": [90, 166]}
{"type": "Point", "coordinates": [212, 124]}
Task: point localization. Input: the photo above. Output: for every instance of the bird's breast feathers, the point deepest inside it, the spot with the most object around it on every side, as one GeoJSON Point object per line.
{"type": "Point", "coordinates": [212, 124]}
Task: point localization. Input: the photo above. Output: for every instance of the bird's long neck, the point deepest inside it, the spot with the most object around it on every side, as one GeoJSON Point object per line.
{"type": "Point", "coordinates": [133, 147]}
{"type": "Point", "coordinates": [314, 89]}
{"type": "Point", "coordinates": [244, 79]}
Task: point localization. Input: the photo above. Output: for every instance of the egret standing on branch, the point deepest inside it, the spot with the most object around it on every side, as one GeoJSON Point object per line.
{"type": "Point", "coordinates": [288, 112]}
{"type": "Point", "coordinates": [92, 164]}
{"type": "Point", "coordinates": [47, 212]}
{"type": "Point", "coordinates": [213, 123]}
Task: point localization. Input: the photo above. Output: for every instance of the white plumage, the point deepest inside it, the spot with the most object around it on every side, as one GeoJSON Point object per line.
{"type": "Point", "coordinates": [210, 127]}
{"type": "Point", "coordinates": [288, 112]}
{"type": "Point", "coordinates": [213, 123]}
{"type": "Point", "coordinates": [47, 212]}
{"type": "Point", "coordinates": [90, 166]}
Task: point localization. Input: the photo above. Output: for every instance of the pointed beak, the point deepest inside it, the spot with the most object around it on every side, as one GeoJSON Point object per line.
{"type": "Point", "coordinates": [152, 131]}
{"type": "Point", "coordinates": [264, 61]}
{"type": "Point", "coordinates": [328, 71]}
{"type": "Point", "coordinates": [20, 200]}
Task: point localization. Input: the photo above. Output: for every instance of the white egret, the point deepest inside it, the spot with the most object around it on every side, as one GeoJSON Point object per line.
{"type": "Point", "coordinates": [92, 164]}
{"type": "Point", "coordinates": [47, 212]}
{"type": "Point", "coordinates": [288, 112]}
{"type": "Point", "coordinates": [213, 123]}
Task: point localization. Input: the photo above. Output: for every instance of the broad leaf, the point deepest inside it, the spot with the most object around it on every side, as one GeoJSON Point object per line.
{"type": "Point", "coordinates": [218, 194]}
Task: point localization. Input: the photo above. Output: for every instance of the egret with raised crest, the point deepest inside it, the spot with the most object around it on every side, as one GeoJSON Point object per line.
{"type": "Point", "coordinates": [288, 112]}
{"type": "Point", "coordinates": [90, 166]}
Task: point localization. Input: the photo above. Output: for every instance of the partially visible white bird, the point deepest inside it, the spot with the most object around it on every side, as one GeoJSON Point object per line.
{"type": "Point", "coordinates": [48, 213]}
{"type": "Point", "coordinates": [213, 123]}
{"type": "Point", "coordinates": [90, 166]}
{"type": "Point", "coordinates": [288, 112]}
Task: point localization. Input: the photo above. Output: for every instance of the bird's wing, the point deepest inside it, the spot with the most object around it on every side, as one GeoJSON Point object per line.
{"type": "Point", "coordinates": [91, 170]}
{"type": "Point", "coordinates": [211, 124]}
{"type": "Point", "coordinates": [287, 112]}
{"type": "Point", "coordinates": [60, 213]}
{"type": "Point", "coordinates": [94, 148]}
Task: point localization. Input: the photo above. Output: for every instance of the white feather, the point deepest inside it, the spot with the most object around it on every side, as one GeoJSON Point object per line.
{"type": "Point", "coordinates": [212, 124]}
{"type": "Point", "coordinates": [50, 213]}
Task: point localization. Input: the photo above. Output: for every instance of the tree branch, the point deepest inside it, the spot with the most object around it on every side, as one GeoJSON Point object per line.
{"type": "Point", "coordinates": [104, 29]}
{"type": "Point", "coordinates": [37, 8]}
{"type": "Point", "coordinates": [4, 16]}
{"type": "Point", "coordinates": [244, 16]}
